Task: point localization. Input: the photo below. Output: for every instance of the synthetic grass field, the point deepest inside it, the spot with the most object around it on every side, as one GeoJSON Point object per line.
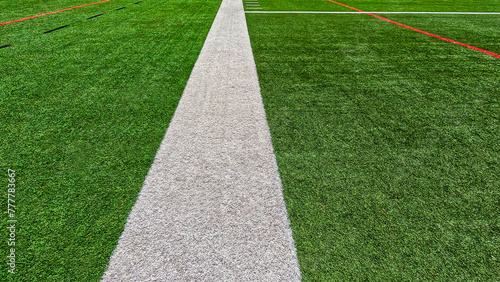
{"type": "Point", "coordinates": [83, 111]}
{"type": "Point", "coordinates": [387, 139]}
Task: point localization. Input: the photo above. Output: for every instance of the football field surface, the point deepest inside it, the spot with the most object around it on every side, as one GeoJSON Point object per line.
{"type": "Point", "coordinates": [383, 115]}
{"type": "Point", "coordinates": [84, 109]}
{"type": "Point", "coordinates": [386, 138]}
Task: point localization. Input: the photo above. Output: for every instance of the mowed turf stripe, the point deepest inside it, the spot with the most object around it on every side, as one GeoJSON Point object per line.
{"type": "Point", "coordinates": [418, 30]}
{"type": "Point", "coordinates": [211, 207]}
{"type": "Point", "coordinates": [50, 13]}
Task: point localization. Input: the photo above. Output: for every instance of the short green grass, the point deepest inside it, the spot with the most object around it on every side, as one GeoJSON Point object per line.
{"type": "Point", "coordinates": [83, 112]}
{"type": "Point", "coordinates": [387, 141]}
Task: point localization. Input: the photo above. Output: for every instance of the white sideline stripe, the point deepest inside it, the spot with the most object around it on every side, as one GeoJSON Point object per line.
{"type": "Point", "coordinates": [253, 8]}
{"type": "Point", "coordinates": [350, 12]}
{"type": "Point", "coordinates": [211, 207]}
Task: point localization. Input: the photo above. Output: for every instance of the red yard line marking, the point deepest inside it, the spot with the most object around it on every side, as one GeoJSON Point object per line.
{"type": "Point", "coordinates": [421, 31]}
{"type": "Point", "coordinates": [29, 18]}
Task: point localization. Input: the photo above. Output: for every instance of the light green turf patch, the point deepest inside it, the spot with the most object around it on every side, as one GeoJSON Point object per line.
{"type": "Point", "coordinates": [83, 112]}
{"type": "Point", "coordinates": [386, 5]}
{"type": "Point", "coordinates": [25, 32]}
{"type": "Point", "coordinates": [387, 143]}
{"type": "Point", "coordinates": [15, 10]}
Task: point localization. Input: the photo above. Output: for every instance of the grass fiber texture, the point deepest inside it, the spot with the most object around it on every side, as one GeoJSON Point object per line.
{"type": "Point", "coordinates": [83, 111]}
{"type": "Point", "coordinates": [387, 142]}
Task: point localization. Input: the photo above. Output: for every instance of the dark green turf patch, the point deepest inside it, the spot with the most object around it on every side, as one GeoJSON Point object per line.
{"type": "Point", "coordinates": [387, 144]}
{"type": "Point", "coordinates": [83, 112]}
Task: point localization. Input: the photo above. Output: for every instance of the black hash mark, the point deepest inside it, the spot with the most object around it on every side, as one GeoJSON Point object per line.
{"type": "Point", "coordinates": [56, 28]}
{"type": "Point", "coordinates": [95, 16]}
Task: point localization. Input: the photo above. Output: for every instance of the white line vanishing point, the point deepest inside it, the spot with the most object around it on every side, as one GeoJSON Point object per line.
{"type": "Point", "coordinates": [352, 12]}
{"type": "Point", "coordinates": [211, 207]}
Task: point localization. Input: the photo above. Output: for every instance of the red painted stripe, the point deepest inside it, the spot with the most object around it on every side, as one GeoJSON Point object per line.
{"type": "Point", "coordinates": [67, 9]}
{"type": "Point", "coordinates": [421, 31]}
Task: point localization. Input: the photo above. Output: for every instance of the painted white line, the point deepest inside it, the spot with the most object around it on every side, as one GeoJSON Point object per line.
{"type": "Point", "coordinates": [350, 12]}
{"type": "Point", "coordinates": [211, 207]}
{"type": "Point", "coordinates": [253, 8]}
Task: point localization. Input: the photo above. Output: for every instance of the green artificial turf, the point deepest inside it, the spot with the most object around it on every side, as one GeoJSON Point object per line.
{"type": "Point", "coordinates": [14, 10]}
{"type": "Point", "coordinates": [387, 142]}
{"type": "Point", "coordinates": [83, 111]}
{"type": "Point", "coordinates": [384, 5]}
